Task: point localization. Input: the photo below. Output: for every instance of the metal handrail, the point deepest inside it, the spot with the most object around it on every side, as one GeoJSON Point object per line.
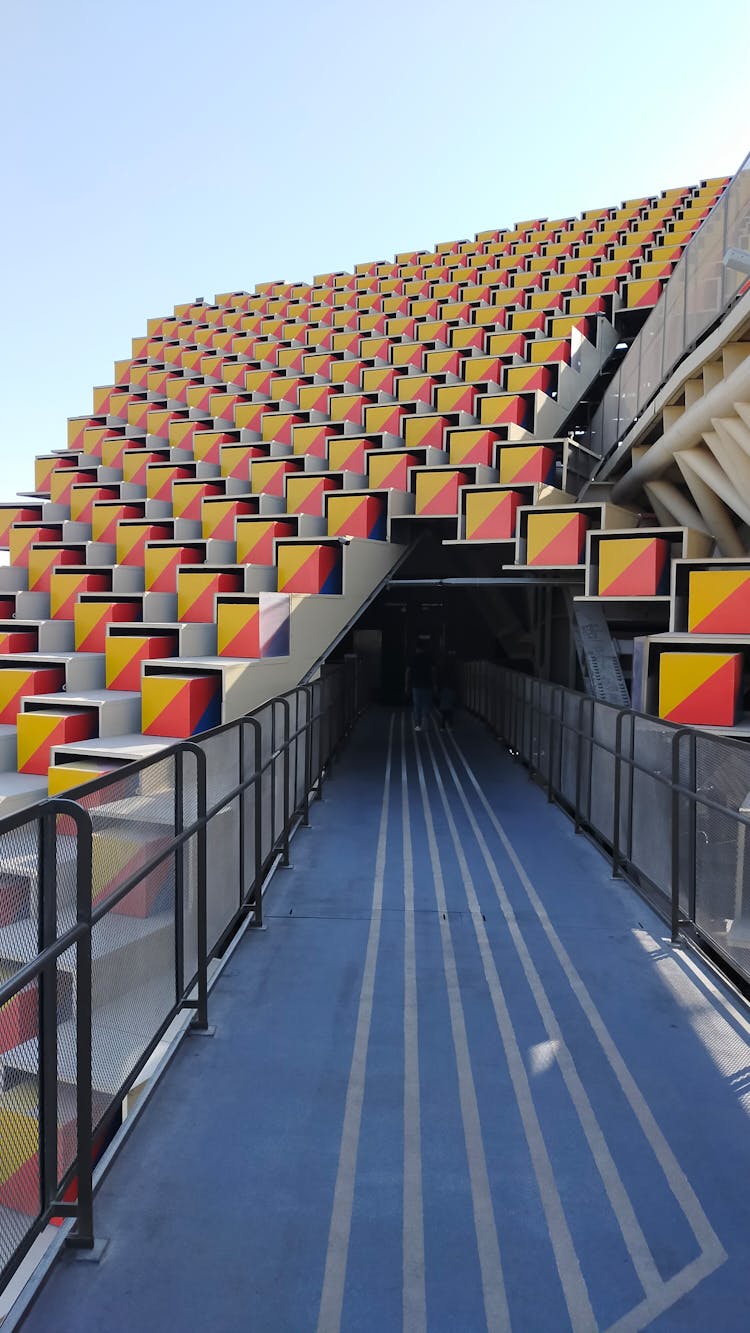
{"type": "Point", "coordinates": [498, 693]}
{"type": "Point", "coordinates": [319, 725]}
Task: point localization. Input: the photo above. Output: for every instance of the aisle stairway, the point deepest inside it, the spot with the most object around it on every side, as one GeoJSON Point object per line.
{"type": "Point", "coordinates": [261, 465]}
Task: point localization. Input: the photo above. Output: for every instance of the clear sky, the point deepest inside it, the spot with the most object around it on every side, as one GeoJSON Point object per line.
{"type": "Point", "coordinates": [152, 151]}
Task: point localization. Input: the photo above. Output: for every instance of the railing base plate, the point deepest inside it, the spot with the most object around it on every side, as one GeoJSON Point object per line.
{"type": "Point", "coordinates": [92, 1254]}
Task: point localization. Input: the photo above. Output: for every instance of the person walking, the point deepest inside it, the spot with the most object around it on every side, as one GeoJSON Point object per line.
{"type": "Point", "coordinates": [420, 682]}
{"type": "Point", "coordinates": [448, 685]}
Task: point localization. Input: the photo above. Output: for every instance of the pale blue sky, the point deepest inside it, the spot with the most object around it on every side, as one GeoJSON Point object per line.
{"type": "Point", "coordinates": [158, 150]}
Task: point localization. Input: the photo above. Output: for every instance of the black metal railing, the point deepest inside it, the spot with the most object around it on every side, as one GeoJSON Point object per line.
{"type": "Point", "coordinates": [670, 804]}
{"type": "Point", "coordinates": [112, 907]}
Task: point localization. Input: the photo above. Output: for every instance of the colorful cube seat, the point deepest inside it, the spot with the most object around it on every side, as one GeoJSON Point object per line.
{"type": "Point", "coordinates": [700, 689]}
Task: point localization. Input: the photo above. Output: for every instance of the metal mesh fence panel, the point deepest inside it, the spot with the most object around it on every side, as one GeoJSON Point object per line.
{"type": "Point", "coordinates": [66, 885]}
{"type": "Point", "coordinates": [253, 814]}
{"type": "Point", "coordinates": [38, 876]}
{"type": "Point", "coordinates": [330, 716]}
{"type": "Point", "coordinates": [632, 803]}
{"type": "Point", "coordinates": [703, 278]}
{"type": "Point", "coordinates": [722, 771]}
{"type": "Point", "coordinates": [535, 725]}
{"type": "Point", "coordinates": [675, 296]}
{"type": "Point", "coordinates": [528, 720]}
{"type": "Point", "coordinates": [544, 729]}
{"type": "Point", "coordinates": [324, 724]}
{"type": "Point", "coordinates": [586, 725]}
{"type": "Point", "coordinates": [132, 822]}
{"type": "Point", "coordinates": [265, 718]}
{"type": "Point", "coordinates": [652, 357]}
{"type": "Point", "coordinates": [652, 803]}
{"type": "Point", "coordinates": [67, 1052]}
{"type": "Point", "coordinates": [223, 882]}
{"type": "Point", "coordinates": [186, 866]}
{"type": "Point", "coordinates": [505, 711]}
{"type": "Point", "coordinates": [64, 849]}
{"type": "Point", "coordinates": [279, 803]}
{"type": "Point", "coordinates": [737, 227]}
{"type": "Point", "coordinates": [684, 810]}
{"type": "Point", "coordinates": [601, 805]}
{"type": "Point", "coordinates": [20, 1140]}
{"type": "Point", "coordinates": [505, 720]}
{"type": "Point", "coordinates": [722, 872]}
{"type": "Point", "coordinates": [570, 747]}
{"type": "Point", "coordinates": [510, 710]}
{"type": "Point", "coordinates": [721, 877]}
{"type": "Point", "coordinates": [493, 700]}
{"type": "Point", "coordinates": [132, 984]}
{"type": "Point", "coordinates": [557, 706]}
{"type": "Point", "coordinates": [522, 720]}
{"type": "Point", "coordinates": [625, 803]}
{"type": "Point", "coordinates": [315, 730]}
{"type": "Point", "coordinates": [517, 722]}
{"type": "Point", "coordinates": [20, 850]}
{"type": "Point", "coordinates": [144, 896]}
{"type": "Point", "coordinates": [292, 761]}
{"type": "Point", "coordinates": [298, 763]}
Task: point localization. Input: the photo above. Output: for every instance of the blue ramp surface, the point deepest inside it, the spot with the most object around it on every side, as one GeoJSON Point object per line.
{"type": "Point", "coordinates": [461, 1082]}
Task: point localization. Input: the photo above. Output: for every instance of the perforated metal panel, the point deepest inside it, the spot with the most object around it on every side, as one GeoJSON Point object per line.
{"type": "Point", "coordinates": [142, 892]}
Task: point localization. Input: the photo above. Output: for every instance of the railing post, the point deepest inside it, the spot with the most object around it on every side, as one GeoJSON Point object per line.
{"type": "Point", "coordinates": [272, 770]}
{"type": "Point", "coordinates": [241, 805]}
{"type": "Point", "coordinates": [285, 766]}
{"type": "Point", "coordinates": [590, 763]}
{"type": "Point", "coordinates": [257, 782]}
{"type": "Point", "coordinates": [616, 790]}
{"type": "Point", "coordinates": [47, 1003]}
{"type": "Point", "coordinates": [631, 787]}
{"type": "Point", "coordinates": [298, 804]}
{"type": "Point", "coordinates": [530, 716]}
{"type": "Point", "coordinates": [258, 810]}
{"type": "Point", "coordinates": [561, 742]}
{"type": "Point", "coordinates": [200, 1022]}
{"type": "Point", "coordinates": [318, 716]}
{"type": "Point", "coordinates": [579, 766]}
{"type": "Point", "coordinates": [83, 1236]}
{"type": "Point", "coordinates": [693, 828]}
{"type": "Point", "coordinates": [675, 840]}
{"type": "Point", "coordinates": [555, 694]}
{"type": "Point", "coordinates": [179, 879]}
{"type": "Point", "coordinates": [308, 734]}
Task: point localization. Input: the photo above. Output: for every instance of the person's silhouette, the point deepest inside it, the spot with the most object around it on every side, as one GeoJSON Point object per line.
{"type": "Point", "coordinates": [420, 682]}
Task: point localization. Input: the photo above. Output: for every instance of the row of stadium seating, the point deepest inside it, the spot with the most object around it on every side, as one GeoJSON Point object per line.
{"type": "Point", "coordinates": [249, 451]}
{"type": "Point", "coordinates": [254, 473]}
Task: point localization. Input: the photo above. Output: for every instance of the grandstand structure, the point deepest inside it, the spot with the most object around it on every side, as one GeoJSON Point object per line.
{"type": "Point", "coordinates": [261, 464]}
{"type": "Point", "coordinates": [531, 447]}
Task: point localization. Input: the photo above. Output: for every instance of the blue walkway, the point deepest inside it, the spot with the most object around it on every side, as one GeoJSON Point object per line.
{"type": "Point", "coordinates": [460, 1083]}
